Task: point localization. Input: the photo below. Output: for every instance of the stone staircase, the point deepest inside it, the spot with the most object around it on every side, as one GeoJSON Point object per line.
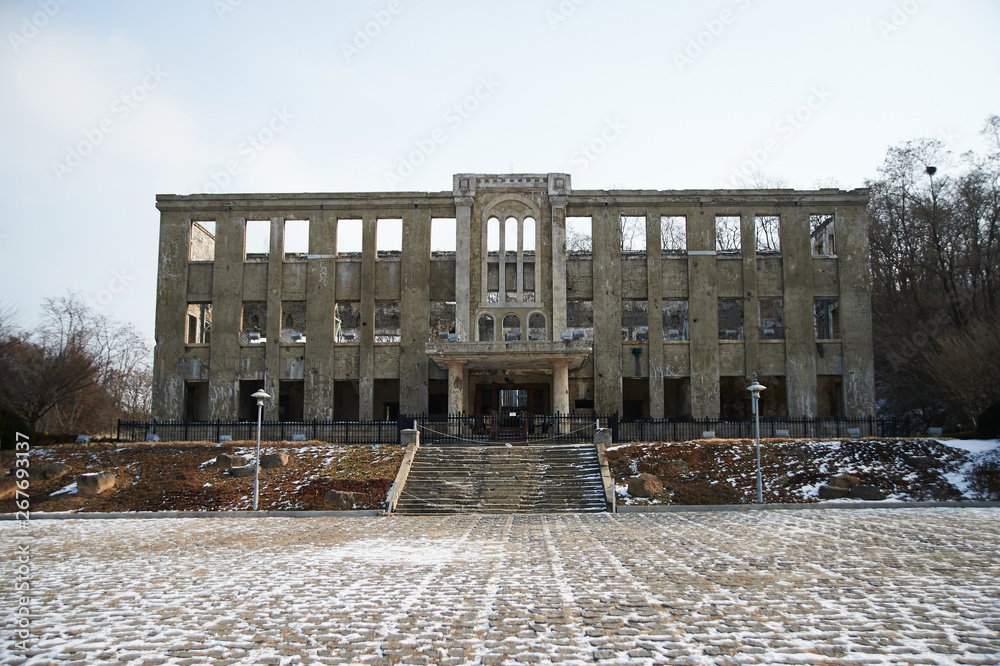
{"type": "Point", "coordinates": [503, 479]}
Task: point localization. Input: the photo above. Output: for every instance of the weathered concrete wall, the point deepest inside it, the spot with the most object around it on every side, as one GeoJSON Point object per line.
{"type": "Point", "coordinates": [416, 312]}
{"type": "Point", "coordinates": [703, 313]}
{"type": "Point", "coordinates": [855, 311]}
{"type": "Point", "coordinates": [800, 337]}
{"type": "Point", "coordinates": [607, 271]}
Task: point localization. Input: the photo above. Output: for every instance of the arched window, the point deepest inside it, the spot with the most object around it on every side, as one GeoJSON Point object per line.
{"type": "Point", "coordinates": [511, 327]}
{"type": "Point", "coordinates": [493, 235]}
{"type": "Point", "coordinates": [510, 235]}
{"type": "Point", "coordinates": [487, 327]}
{"type": "Point", "coordinates": [529, 235]}
{"type": "Point", "coordinates": [536, 326]}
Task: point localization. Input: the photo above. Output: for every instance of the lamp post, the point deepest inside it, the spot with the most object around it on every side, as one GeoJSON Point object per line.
{"type": "Point", "coordinates": [755, 388]}
{"type": "Point", "coordinates": [261, 397]}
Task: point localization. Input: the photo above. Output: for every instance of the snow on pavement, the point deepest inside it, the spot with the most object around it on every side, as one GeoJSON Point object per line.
{"type": "Point", "coordinates": [815, 586]}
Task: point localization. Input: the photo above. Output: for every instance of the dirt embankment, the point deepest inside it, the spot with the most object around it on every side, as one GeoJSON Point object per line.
{"type": "Point", "coordinates": [175, 476]}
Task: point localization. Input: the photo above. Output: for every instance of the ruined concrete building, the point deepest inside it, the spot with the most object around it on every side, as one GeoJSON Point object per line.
{"type": "Point", "coordinates": [514, 291]}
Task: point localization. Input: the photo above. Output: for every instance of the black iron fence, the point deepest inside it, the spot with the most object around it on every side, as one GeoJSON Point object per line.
{"type": "Point", "coordinates": [532, 428]}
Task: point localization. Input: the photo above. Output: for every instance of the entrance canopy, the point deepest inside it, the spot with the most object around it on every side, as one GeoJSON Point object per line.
{"type": "Point", "coordinates": [515, 355]}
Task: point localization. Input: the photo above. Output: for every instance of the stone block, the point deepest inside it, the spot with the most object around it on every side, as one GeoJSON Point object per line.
{"type": "Point", "coordinates": [922, 462]}
{"type": "Point", "coordinates": [273, 460]}
{"type": "Point", "coordinates": [48, 471]}
{"type": "Point", "coordinates": [844, 481]}
{"type": "Point", "coordinates": [243, 471]}
{"type": "Point", "coordinates": [341, 499]}
{"type": "Point", "coordinates": [833, 492]}
{"type": "Point", "coordinates": [645, 485]}
{"type": "Point", "coordinates": [870, 493]}
{"type": "Point", "coordinates": [94, 483]}
{"type": "Point", "coordinates": [227, 460]}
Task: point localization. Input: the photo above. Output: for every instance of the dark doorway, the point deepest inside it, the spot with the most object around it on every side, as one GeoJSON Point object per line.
{"type": "Point", "coordinates": [196, 401]}
{"type": "Point", "coordinates": [512, 398]}
{"type": "Point", "coordinates": [291, 396]}
{"type": "Point", "coordinates": [248, 405]}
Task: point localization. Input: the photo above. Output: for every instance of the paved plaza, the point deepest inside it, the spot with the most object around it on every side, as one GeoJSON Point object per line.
{"type": "Point", "coordinates": [816, 586]}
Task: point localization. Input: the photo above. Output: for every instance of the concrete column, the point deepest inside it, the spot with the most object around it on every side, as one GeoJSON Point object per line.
{"type": "Point", "coordinates": [463, 267]}
{"type": "Point", "coordinates": [366, 361]}
{"type": "Point", "coordinates": [855, 312]}
{"type": "Point", "coordinates": [703, 313]}
{"type": "Point", "coordinates": [751, 307]}
{"type": "Point", "coordinates": [800, 333]}
{"type": "Point", "coordinates": [227, 318]}
{"type": "Point", "coordinates": [558, 267]}
{"type": "Point", "coordinates": [272, 350]}
{"type": "Point", "coordinates": [654, 297]}
{"type": "Point", "coordinates": [171, 316]}
{"type": "Point", "coordinates": [456, 391]}
{"type": "Point", "coordinates": [607, 267]}
{"type": "Point", "coordinates": [560, 387]}
{"type": "Point", "coordinates": [321, 310]}
{"type": "Point", "coordinates": [415, 308]}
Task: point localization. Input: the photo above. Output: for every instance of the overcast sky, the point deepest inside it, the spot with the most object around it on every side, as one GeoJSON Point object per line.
{"type": "Point", "coordinates": [106, 104]}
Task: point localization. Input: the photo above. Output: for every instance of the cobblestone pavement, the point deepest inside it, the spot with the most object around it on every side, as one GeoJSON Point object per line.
{"type": "Point", "coordinates": [912, 586]}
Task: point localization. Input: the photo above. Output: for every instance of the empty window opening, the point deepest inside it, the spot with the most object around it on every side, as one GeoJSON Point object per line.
{"type": "Point", "coordinates": [822, 235]}
{"type": "Point", "coordinates": [388, 237]}
{"type": "Point", "coordinates": [579, 234]}
{"type": "Point", "coordinates": [635, 399]}
{"type": "Point", "coordinates": [528, 283]}
{"type": "Point", "coordinates": [510, 234]}
{"type": "Point", "coordinates": [347, 324]}
{"type": "Point", "coordinates": [493, 235]}
{"type": "Point", "coordinates": [528, 232]}
{"type": "Point", "coordinates": [202, 241]}
{"type": "Point", "coordinates": [580, 319]}
{"type": "Point", "coordinates": [827, 319]}
{"type": "Point", "coordinates": [387, 322]}
{"type": "Point", "coordinates": [510, 282]}
{"type": "Point", "coordinates": [511, 327]}
{"type": "Point", "coordinates": [443, 319]}
{"type": "Point", "coordinates": [257, 241]}
{"type": "Point", "coordinates": [291, 399]}
{"type": "Point", "coordinates": [296, 239]}
{"type": "Point", "coordinates": [772, 319]}
{"type": "Point", "coordinates": [444, 234]}
{"type": "Point", "coordinates": [767, 231]}
{"type": "Point", "coordinates": [248, 404]}
{"type": "Point", "coordinates": [346, 400]}
{"type": "Point", "coordinates": [254, 329]}
{"type": "Point", "coordinates": [730, 319]}
{"type": "Point", "coordinates": [727, 233]}
{"type": "Point", "coordinates": [349, 236]}
{"type": "Point", "coordinates": [632, 232]}
{"type": "Point", "coordinates": [673, 234]}
{"type": "Point", "coordinates": [536, 326]}
{"type": "Point", "coordinates": [829, 397]}
{"type": "Point", "coordinates": [677, 397]}
{"type": "Point", "coordinates": [487, 327]}
{"type": "Point", "coordinates": [675, 320]}
{"type": "Point", "coordinates": [635, 320]}
{"type": "Point", "coordinates": [199, 324]}
{"type": "Point", "coordinates": [196, 401]}
{"type": "Point", "coordinates": [293, 322]}
{"type": "Point", "coordinates": [493, 283]}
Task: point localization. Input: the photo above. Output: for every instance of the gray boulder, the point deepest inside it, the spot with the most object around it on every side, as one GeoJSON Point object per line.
{"type": "Point", "coordinates": [48, 471]}
{"type": "Point", "coordinates": [844, 481]}
{"type": "Point", "coordinates": [341, 499]}
{"type": "Point", "coordinates": [645, 485]}
{"type": "Point", "coordinates": [870, 493]}
{"type": "Point", "coordinates": [922, 462]}
{"type": "Point", "coordinates": [273, 460]}
{"type": "Point", "coordinates": [94, 483]}
{"type": "Point", "coordinates": [242, 471]}
{"type": "Point", "coordinates": [833, 492]}
{"type": "Point", "coordinates": [673, 467]}
{"type": "Point", "coordinates": [227, 460]}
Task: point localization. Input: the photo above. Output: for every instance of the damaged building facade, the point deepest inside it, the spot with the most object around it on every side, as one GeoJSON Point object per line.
{"type": "Point", "coordinates": [513, 292]}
